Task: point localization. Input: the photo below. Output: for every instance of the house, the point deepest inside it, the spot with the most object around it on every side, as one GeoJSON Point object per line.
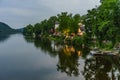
{"type": "Point", "coordinates": [57, 24]}
{"type": "Point", "coordinates": [81, 29]}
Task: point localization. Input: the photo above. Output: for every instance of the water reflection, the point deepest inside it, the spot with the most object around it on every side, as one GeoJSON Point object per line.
{"type": "Point", "coordinates": [43, 44]}
{"type": "Point", "coordinates": [102, 68]}
{"type": "Point", "coordinates": [29, 39]}
{"type": "Point", "coordinates": [68, 55]}
{"type": "Point", "coordinates": [4, 37]}
{"type": "Point", "coordinates": [68, 61]}
{"type": "Point", "coordinates": [94, 68]}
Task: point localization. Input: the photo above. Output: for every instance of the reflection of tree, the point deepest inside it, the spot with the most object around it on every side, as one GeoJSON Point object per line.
{"type": "Point", "coordinates": [68, 56]}
{"type": "Point", "coordinates": [101, 68]}
{"type": "Point", "coordinates": [29, 39]}
{"type": "Point", "coordinates": [45, 45]}
{"type": "Point", "coordinates": [68, 63]}
{"type": "Point", "coordinates": [84, 51]}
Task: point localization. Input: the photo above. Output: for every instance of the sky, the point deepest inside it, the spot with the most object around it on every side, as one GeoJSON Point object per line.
{"type": "Point", "coordinates": [19, 13]}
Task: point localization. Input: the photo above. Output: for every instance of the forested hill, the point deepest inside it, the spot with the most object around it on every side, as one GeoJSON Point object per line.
{"type": "Point", "coordinates": [5, 29]}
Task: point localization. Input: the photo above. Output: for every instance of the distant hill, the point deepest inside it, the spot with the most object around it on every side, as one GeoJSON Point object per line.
{"type": "Point", "coordinates": [5, 29]}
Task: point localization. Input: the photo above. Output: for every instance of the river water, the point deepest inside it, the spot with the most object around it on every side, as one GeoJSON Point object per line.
{"type": "Point", "coordinates": [24, 58]}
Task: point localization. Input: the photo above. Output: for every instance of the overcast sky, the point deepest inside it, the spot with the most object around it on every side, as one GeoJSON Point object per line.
{"type": "Point", "coordinates": [19, 13]}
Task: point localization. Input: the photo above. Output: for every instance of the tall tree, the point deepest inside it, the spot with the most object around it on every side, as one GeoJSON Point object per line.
{"type": "Point", "coordinates": [65, 22]}
{"type": "Point", "coordinates": [103, 21]}
{"type": "Point", "coordinates": [74, 23]}
{"type": "Point", "coordinates": [37, 29]}
{"type": "Point", "coordinates": [28, 30]}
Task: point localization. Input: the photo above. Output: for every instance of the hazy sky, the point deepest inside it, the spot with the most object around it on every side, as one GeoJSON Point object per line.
{"type": "Point", "coordinates": [19, 13]}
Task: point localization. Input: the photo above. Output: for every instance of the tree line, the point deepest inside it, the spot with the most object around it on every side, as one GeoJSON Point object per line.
{"type": "Point", "coordinates": [101, 23]}
{"type": "Point", "coordinates": [67, 22]}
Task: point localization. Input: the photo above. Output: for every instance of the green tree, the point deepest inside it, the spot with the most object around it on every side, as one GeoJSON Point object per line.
{"type": "Point", "coordinates": [51, 21]}
{"type": "Point", "coordinates": [44, 26]}
{"type": "Point", "coordinates": [103, 21]}
{"type": "Point", "coordinates": [37, 29]}
{"type": "Point", "coordinates": [28, 30]}
{"type": "Point", "coordinates": [74, 23]}
{"type": "Point", "coordinates": [65, 22]}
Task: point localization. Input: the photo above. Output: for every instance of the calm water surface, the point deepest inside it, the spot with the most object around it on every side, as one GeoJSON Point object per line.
{"type": "Point", "coordinates": [27, 59]}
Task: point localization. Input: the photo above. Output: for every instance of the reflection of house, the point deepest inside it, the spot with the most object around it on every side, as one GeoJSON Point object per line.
{"type": "Point", "coordinates": [56, 47]}
{"type": "Point", "coordinates": [79, 53]}
{"type": "Point", "coordinates": [69, 50]}
{"type": "Point", "coordinates": [81, 29]}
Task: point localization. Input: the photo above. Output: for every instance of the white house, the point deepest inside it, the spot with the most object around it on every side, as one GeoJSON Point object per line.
{"type": "Point", "coordinates": [56, 24]}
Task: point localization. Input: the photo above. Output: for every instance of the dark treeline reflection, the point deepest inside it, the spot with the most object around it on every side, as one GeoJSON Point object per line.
{"type": "Point", "coordinates": [102, 68]}
{"type": "Point", "coordinates": [4, 37]}
{"type": "Point", "coordinates": [95, 67]}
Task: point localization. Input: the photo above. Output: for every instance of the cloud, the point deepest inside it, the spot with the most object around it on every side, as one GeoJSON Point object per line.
{"type": "Point", "coordinates": [20, 13]}
{"type": "Point", "coordinates": [73, 6]}
{"type": "Point", "coordinates": [17, 11]}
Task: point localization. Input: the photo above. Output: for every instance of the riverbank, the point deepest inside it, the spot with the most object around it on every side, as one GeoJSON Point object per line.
{"type": "Point", "coordinates": [81, 42]}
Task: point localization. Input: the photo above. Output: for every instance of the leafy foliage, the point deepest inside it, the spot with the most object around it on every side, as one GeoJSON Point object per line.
{"type": "Point", "coordinates": [68, 24]}
{"type": "Point", "coordinates": [104, 21]}
{"type": "Point", "coordinates": [101, 23]}
{"type": "Point", "coordinates": [28, 30]}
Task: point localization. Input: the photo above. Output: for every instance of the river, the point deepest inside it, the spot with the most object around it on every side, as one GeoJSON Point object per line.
{"type": "Point", "coordinates": [24, 58]}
